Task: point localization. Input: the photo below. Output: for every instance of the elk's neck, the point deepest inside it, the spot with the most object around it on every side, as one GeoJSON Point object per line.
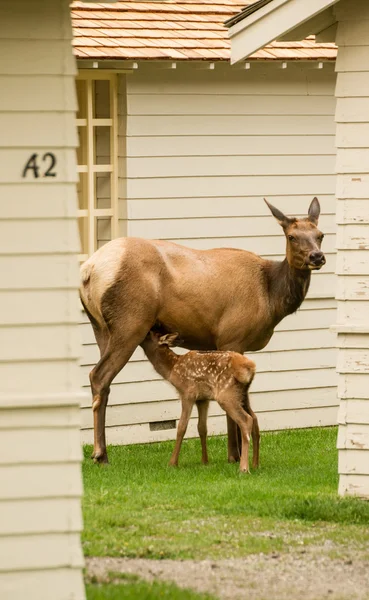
{"type": "Point", "coordinates": [287, 288]}
{"type": "Point", "coordinates": [162, 359]}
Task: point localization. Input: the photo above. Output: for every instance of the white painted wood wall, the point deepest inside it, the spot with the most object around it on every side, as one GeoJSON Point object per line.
{"type": "Point", "coordinates": [202, 148]}
{"type": "Point", "coordinates": [352, 117]}
{"type": "Point", "coordinates": [40, 454]}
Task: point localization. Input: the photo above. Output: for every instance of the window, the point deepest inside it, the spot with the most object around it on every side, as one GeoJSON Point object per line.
{"type": "Point", "coordinates": [97, 125]}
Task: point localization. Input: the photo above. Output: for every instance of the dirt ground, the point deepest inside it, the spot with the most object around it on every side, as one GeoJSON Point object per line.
{"type": "Point", "coordinates": [300, 575]}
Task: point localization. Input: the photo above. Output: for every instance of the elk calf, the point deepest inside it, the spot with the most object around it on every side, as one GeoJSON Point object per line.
{"type": "Point", "coordinates": [203, 376]}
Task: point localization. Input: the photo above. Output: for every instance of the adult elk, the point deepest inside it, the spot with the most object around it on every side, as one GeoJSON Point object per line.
{"type": "Point", "coordinates": [219, 299]}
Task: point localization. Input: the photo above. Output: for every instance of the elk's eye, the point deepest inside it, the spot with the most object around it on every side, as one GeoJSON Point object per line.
{"type": "Point", "coordinates": [291, 238]}
{"type": "Point", "coordinates": [321, 237]}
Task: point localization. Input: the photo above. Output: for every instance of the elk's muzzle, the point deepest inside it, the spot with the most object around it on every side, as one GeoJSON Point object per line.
{"type": "Point", "coordinates": [316, 260]}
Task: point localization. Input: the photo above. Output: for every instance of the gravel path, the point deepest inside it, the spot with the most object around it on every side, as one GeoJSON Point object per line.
{"type": "Point", "coordinates": [301, 575]}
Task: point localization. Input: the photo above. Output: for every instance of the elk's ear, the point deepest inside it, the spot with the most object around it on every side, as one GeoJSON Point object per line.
{"type": "Point", "coordinates": [281, 218]}
{"type": "Point", "coordinates": [169, 339]}
{"type": "Point", "coordinates": [314, 211]}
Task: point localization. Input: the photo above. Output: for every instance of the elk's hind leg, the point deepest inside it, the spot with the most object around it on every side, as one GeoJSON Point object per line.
{"type": "Point", "coordinates": [255, 429]}
{"type": "Point", "coordinates": [231, 402]}
{"type": "Point", "coordinates": [187, 406]}
{"type": "Point", "coordinates": [118, 351]}
{"type": "Point", "coordinates": [202, 408]}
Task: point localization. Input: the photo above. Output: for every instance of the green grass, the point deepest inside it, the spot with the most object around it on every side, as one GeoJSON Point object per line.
{"type": "Point", "coordinates": [141, 590]}
{"type": "Point", "coordinates": [140, 507]}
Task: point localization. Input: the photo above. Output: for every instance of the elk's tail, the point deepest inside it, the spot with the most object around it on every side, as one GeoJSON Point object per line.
{"type": "Point", "coordinates": [243, 369]}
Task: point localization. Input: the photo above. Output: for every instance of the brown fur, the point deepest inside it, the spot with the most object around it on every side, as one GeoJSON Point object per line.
{"type": "Point", "coordinates": [203, 376]}
{"type": "Point", "coordinates": [220, 299]}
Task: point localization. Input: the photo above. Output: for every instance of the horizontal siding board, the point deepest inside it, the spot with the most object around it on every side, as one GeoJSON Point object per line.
{"type": "Point", "coordinates": [353, 385]}
{"type": "Point", "coordinates": [353, 461]}
{"type": "Point", "coordinates": [23, 446]}
{"type": "Point", "coordinates": [352, 187]}
{"type": "Point", "coordinates": [229, 125]}
{"type": "Point", "coordinates": [60, 341]}
{"type": "Point", "coordinates": [214, 227]}
{"type": "Point", "coordinates": [261, 80]}
{"type": "Point", "coordinates": [54, 550]}
{"type": "Point", "coordinates": [231, 145]}
{"type": "Point", "coordinates": [156, 390]}
{"type": "Point", "coordinates": [354, 485]}
{"type": "Point", "coordinates": [265, 362]}
{"type": "Point", "coordinates": [13, 98]}
{"type": "Point", "coordinates": [353, 360]}
{"type": "Point", "coordinates": [352, 211]}
{"type": "Point", "coordinates": [281, 341]}
{"type": "Point", "coordinates": [353, 58]}
{"type": "Point", "coordinates": [34, 306]}
{"type": "Point", "coordinates": [352, 110]}
{"type": "Point", "coordinates": [52, 129]}
{"type": "Point", "coordinates": [354, 412]}
{"type": "Point", "coordinates": [351, 160]}
{"type": "Point", "coordinates": [40, 516]}
{"type": "Point", "coordinates": [17, 158]}
{"type": "Point", "coordinates": [353, 237]}
{"type": "Point", "coordinates": [53, 271]}
{"type": "Point", "coordinates": [38, 584]}
{"type": "Point", "coordinates": [300, 321]}
{"type": "Point", "coordinates": [182, 187]}
{"type": "Point", "coordinates": [352, 85]}
{"type": "Point", "coordinates": [217, 166]}
{"type": "Point", "coordinates": [131, 414]}
{"type": "Point", "coordinates": [286, 419]}
{"type": "Point", "coordinates": [59, 480]}
{"type": "Point", "coordinates": [27, 418]}
{"type": "Point", "coordinates": [354, 436]}
{"type": "Point", "coordinates": [171, 208]}
{"type": "Point", "coordinates": [352, 135]}
{"type": "Point", "coordinates": [36, 57]}
{"type": "Point", "coordinates": [33, 201]}
{"type": "Point", "coordinates": [41, 375]}
{"type": "Point", "coordinates": [350, 32]}
{"type": "Point", "coordinates": [354, 312]}
{"type": "Point", "coordinates": [267, 245]}
{"type": "Point", "coordinates": [353, 288]}
{"type": "Point", "coordinates": [39, 236]}
{"type": "Point", "coordinates": [223, 104]}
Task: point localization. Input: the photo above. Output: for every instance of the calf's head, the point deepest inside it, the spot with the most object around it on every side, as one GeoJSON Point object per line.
{"type": "Point", "coordinates": [303, 237]}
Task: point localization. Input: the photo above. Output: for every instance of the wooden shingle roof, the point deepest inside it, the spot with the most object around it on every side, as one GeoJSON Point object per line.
{"type": "Point", "coordinates": [173, 29]}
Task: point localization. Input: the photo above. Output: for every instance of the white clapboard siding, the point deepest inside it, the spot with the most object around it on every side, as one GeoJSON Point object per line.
{"type": "Point", "coordinates": [40, 471]}
{"type": "Point", "coordinates": [54, 583]}
{"type": "Point", "coordinates": [262, 402]}
{"type": "Point", "coordinates": [255, 186]}
{"type": "Point", "coordinates": [352, 94]}
{"type": "Point", "coordinates": [287, 419]}
{"type": "Point", "coordinates": [198, 152]}
{"type": "Point", "coordinates": [230, 145]}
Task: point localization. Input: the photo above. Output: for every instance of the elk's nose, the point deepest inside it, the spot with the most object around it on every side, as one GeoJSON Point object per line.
{"type": "Point", "coordinates": [317, 258]}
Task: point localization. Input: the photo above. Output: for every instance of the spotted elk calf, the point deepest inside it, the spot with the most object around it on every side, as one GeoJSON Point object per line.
{"type": "Point", "coordinates": [203, 376]}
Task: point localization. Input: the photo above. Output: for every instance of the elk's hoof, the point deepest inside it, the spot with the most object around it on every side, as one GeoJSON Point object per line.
{"type": "Point", "coordinates": [100, 458]}
{"type": "Point", "coordinates": [233, 459]}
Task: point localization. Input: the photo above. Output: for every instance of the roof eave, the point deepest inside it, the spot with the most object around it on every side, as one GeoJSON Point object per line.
{"type": "Point", "coordinates": [270, 22]}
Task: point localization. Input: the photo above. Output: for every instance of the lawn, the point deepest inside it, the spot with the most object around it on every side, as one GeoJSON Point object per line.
{"type": "Point", "coordinates": [132, 590]}
{"type": "Point", "coordinates": [140, 507]}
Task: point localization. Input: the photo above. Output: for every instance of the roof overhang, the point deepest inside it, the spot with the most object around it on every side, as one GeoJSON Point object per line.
{"type": "Point", "coordinates": [287, 19]}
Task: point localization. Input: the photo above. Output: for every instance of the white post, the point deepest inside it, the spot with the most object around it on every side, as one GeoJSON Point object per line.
{"type": "Point", "coordinates": [40, 452]}
{"type": "Point", "coordinates": [352, 116]}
